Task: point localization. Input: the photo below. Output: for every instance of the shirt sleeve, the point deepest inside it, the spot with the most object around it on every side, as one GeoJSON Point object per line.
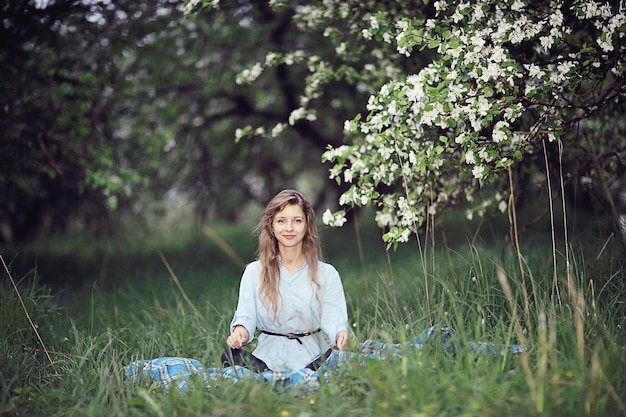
{"type": "Point", "coordinates": [245, 315]}
{"type": "Point", "coordinates": [334, 313]}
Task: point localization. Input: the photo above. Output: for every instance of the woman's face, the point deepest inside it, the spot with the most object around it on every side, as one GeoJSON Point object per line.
{"type": "Point", "coordinates": [289, 226]}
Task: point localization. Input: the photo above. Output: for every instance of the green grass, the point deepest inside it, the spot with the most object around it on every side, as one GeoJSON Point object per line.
{"type": "Point", "coordinates": [133, 308]}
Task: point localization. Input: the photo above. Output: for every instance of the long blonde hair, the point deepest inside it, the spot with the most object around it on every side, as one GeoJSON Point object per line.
{"type": "Point", "coordinates": [267, 251]}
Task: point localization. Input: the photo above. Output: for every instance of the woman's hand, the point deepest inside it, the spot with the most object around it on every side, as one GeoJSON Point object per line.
{"type": "Point", "coordinates": [342, 339]}
{"type": "Point", "coordinates": [238, 338]}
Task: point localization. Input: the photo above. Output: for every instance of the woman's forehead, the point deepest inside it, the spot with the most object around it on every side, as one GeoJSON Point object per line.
{"type": "Point", "coordinates": [290, 210]}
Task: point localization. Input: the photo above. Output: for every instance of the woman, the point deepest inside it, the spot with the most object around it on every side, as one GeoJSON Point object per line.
{"type": "Point", "coordinates": [294, 299]}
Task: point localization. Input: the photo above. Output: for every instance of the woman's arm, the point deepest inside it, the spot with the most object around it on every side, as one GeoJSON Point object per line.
{"type": "Point", "coordinates": [334, 314]}
{"type": "Point", "coordinates": [243, 324]}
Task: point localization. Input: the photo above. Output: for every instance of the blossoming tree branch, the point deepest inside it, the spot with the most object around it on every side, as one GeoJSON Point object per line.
{"type": "Point", "coordinates": [500, 81]}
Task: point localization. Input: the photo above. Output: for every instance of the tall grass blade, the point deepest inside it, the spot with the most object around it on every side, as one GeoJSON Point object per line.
{"type": "Point", "coordinates": [182, 291]}
{"type": "Point", "coordinates": [518, 251]}
{"type": "Point", "coordinates": [32, 325]}
{"type": "Point", "coordinates": [508, 292]}
{"type": "Point", "coordinates": [224, 246]}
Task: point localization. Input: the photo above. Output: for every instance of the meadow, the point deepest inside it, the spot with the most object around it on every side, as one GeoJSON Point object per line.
{"type": "Point", "coordinates": [74, 313]}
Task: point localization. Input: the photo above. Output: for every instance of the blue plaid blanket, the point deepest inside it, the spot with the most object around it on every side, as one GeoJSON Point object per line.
{"type": "Point", "coordinates": [177, 371]}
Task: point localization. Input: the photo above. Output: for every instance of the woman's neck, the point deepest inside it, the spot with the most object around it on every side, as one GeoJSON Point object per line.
{"type": "Point", "coordinates": [292, 257]}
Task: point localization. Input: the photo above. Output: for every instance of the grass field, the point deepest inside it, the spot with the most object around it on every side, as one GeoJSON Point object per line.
{"type": "Point", "coordinates": [105, 304]}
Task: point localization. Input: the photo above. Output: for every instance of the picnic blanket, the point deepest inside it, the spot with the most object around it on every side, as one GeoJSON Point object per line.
{"type": "Point", "coordinates": [177, 371]}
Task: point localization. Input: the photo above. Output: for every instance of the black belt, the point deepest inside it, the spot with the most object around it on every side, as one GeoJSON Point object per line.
{"type": "Point", "coordinates": [293, 336]}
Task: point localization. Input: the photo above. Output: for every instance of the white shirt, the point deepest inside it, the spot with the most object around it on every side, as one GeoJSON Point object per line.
{"type": "Point", "coordinates": [299, 311]}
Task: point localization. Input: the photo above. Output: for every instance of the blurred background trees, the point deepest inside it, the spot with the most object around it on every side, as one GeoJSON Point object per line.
{"type": "Point", "coordinates": [113, 112]}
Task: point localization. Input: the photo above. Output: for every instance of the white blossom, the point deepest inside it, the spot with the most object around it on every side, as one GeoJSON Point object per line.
{"type": "Point", "coordinates": [546, 42]}
{"type": "Point", "coordinates": [479, 171]}
{"type": "Point", "coordinates": [300, 113]}
{"type": "Point", "coordinates": [374, 23]}
{"type": "Point", "coordinates": [249, 75]}
{"type": "Point", "coordinates": [500, 132]}
{"type": "Point", "coordinates": [517, 5]}
{"type": "Point", "coordinates": [334, 220]}
{"type": "Point", "coordinates": [348, 175]}
{"type": "Point", "coordinates": [278, 129]}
